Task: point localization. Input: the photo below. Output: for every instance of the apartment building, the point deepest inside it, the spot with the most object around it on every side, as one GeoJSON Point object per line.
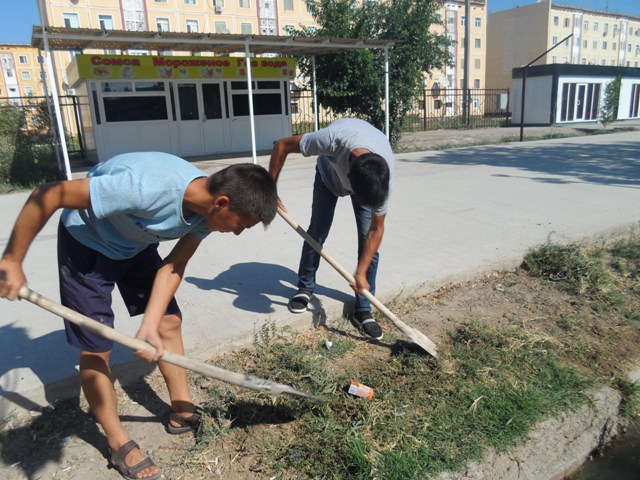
{"type": "Point", "coordinates": [20, 71]}
{"type": "Point", "coordinates": [519, 35]}
{"type": "Point", "coordinates": [453, 18]}
{"type": "Point", "coordinates": [260, 17]}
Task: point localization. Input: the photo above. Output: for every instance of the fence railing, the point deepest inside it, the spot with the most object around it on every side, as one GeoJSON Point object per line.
{"type": "Point", "coordinates": [435, 109]}
{"type": "Point", "coordinates": [37, 118]}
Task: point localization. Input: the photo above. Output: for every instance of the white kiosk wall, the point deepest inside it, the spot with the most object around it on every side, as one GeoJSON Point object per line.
{"type": "Point", "coordinates": [188, 106]}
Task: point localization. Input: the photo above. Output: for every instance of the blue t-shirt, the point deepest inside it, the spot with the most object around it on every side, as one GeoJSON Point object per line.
{"type": "Point", "coordinates": [136, 201]}
{"type": "Point", "coordinates": [334, 144]}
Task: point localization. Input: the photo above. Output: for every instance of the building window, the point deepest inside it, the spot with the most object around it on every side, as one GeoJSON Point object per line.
{"type": "Point", "coordinates": [566, 23]}
{"type": "Point", "coordinates": [288, 5]}
{"type": "Point", "coordinates": [585, 44]}
{"type": "Point", "coordinates": [246, 28]}
{"type": "Point", "coordinates": [603, 62]}
{"type": "Point", "coordinates": [289, 29]}
{"type": "Point", "coordinates": [26, 76]}
{"type": "Point", "coordinates": [566, 42]}
{"type": "Point", "coordinates": [586, 26]}
{"type": "Point", "coordinates": [613, 46]}
{"type": "Point", "coordinates": [595, 45]}
{"type": "Point", "coordinates": [105, 22]}
{"type": "Point", "coordinates": [244, 3]}
{"type": "Point", "coordinates": [28, 91]}
{"type": "Point", "coordinates": [162, 24]}
{"type": "Point", "coordinates": [189, 2]}
{"type": "Point", "coordinates": [218, 3]}
{"type": "Point", "coordinates": [71, 20]}
{"type": "Point", "coordinates": [221, 27]}
{"type": "Point", "coordinates": [584, 61]}
{"type": "Point", "coordinates": [554, 59]}
{"type": "Point", "coordinates": [160, 1]}
{"type": "Point", "coordinates": [478, 22]}
{"type": "Point", "coordinates": [463, 20]}
{"type": "Point", "coordinates": [604, 45]}
{"type": "Point", "coordinates": [606, 28]}
{"type": "Point", "coordinates": [629, 48]}
{"type": "Point", "coordinates": [476, 83]}
{"type": "Point", "coordinates": [476, 63]}
{"type": "Point", "coordinates": [478, 43]}
{"type": "Point", "coordinates": [595, 26]}
{"type": "Point", "coordinates": [554, 40]}
{"type": "Point", "coordinates": [23, 59]}
{"type": "Point", "coordinates": [556, 21]}
{"type": "Point", "coordinates": [192, 26]}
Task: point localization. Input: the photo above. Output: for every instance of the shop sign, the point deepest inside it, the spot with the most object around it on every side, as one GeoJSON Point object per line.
{"type": "Point", "coordinates": [170, 67]}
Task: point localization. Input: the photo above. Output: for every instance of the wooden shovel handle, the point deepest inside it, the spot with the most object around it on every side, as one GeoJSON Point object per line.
{"type": "Point", "coordinates": [241, 380]}
{"type": "Point", "coordinates": [413, 334]}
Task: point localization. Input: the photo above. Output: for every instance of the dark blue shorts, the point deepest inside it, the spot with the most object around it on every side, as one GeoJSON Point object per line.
{"type": "Point", "coordinates": [87, 279]}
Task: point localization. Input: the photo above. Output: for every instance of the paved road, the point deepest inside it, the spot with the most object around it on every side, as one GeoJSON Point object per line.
{"type": "Point", "coordinates": [454, 214]}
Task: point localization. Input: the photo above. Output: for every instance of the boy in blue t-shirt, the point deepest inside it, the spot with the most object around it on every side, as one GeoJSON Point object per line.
{"type": "Point", "coordinates": [108, 235]}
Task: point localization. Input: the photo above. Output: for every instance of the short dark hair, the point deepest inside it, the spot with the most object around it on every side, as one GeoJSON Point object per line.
{"type": "Point", "coordinates": [250, 188]}
{"type": "Point", "coordinates": [369, 177]}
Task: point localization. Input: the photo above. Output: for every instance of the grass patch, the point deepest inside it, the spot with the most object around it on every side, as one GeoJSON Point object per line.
{"type": "Point", "coordinates": [493, 382]}
{"type": "Point", "coordinates": [576, 270]}
{"type": "Point", "coordinates": [489, 388]}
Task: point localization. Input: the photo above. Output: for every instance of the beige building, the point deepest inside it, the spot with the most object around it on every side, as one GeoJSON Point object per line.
{"type": "Point", "coordinates": [20, 72]}
{"type": "Point", "coordinates": [519, 35]}
{"type": "Point", "coordinates": [453, 17]}
{"type": "Point", "coordinates": [260, 17]}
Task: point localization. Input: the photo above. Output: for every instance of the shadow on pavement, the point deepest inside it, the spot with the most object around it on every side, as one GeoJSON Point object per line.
{"type": "Point", "coordinates": [605, 164]}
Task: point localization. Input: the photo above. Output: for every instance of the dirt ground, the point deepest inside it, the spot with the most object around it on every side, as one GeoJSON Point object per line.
{"type": "Point", "coordinates": [64, 442]}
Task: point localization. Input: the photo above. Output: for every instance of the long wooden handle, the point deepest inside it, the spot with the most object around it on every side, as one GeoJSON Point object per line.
{"type": "Point", "coordinates": [413, 334]}
{"type": "Point", "coordinates": [241, 380]}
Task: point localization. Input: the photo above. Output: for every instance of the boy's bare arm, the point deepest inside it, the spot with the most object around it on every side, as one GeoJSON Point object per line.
{"type": "Point", "coordinates": [165, 285]}
{"type": "Point", "coordinates": [38, 209]}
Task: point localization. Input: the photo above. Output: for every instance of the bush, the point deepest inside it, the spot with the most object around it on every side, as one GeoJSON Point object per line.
{"type": "Point", "coordinates": [27, 156]}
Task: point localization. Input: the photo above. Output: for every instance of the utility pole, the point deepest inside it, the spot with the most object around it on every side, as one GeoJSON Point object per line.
{"type": "Point", "coordinates": [465, 83]}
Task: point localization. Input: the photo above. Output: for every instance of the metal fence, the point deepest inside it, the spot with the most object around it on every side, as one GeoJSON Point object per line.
{"type": "Point", "coordinates": [38, 113]}
{"type": "Point", "coordinates": [435, 109]}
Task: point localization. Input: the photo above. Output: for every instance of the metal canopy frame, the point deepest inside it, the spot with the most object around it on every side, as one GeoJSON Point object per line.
{"type": "Point", "coordinates": [62, 38]}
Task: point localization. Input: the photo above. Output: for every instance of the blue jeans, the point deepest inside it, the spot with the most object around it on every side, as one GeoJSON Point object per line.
{"type": "Point", "coordinates": [322, 211]}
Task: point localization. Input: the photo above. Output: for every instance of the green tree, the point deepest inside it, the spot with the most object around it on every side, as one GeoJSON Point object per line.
{"type": "Point", "coordinates": [609, 111]}
{"type": "Point", "coordinates": [353, 83]}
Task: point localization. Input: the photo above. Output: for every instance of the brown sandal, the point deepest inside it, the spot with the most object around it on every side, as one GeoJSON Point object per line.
{"type": "Point", "coordinates": [117, 462]}
{"type": "Point", "coordinates": [186, 424]}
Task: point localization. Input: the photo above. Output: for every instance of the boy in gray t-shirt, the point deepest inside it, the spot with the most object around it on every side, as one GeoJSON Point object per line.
{"type": "Point", "coordinates": [355, 159]}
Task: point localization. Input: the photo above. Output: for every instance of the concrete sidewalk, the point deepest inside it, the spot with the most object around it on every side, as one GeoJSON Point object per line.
{"type": "Point", "coordinates": [454, 214]}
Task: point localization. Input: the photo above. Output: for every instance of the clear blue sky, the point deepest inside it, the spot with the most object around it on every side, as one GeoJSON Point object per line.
{"type": "Point", "coordinates": [17, 17]}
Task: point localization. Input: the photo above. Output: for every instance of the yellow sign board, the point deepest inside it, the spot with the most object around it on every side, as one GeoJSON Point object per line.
{"type": "Point", "coordinates": [126, 67]}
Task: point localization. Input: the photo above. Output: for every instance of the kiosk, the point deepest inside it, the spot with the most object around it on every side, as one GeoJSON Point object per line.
{"type": "Point", "coordinates": [188, 106]}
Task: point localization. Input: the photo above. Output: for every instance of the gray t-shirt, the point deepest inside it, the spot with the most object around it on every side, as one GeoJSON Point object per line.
{"type": "Point", "coordinates": [334, 145]}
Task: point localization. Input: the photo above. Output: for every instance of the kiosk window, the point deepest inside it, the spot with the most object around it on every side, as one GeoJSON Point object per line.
{"type": "Point", "coordinates": [212, 101]}
{"type": "Point", "coordinates": [149, 86]}
{"type": "Point", "coordinates": [188, 98]}
{"type": "Point", "coordinates": [110, 87]}
{"type": "Point", "coordinates": [263, 104]}
{"type": "Point", "coordinates": [135, 109]}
